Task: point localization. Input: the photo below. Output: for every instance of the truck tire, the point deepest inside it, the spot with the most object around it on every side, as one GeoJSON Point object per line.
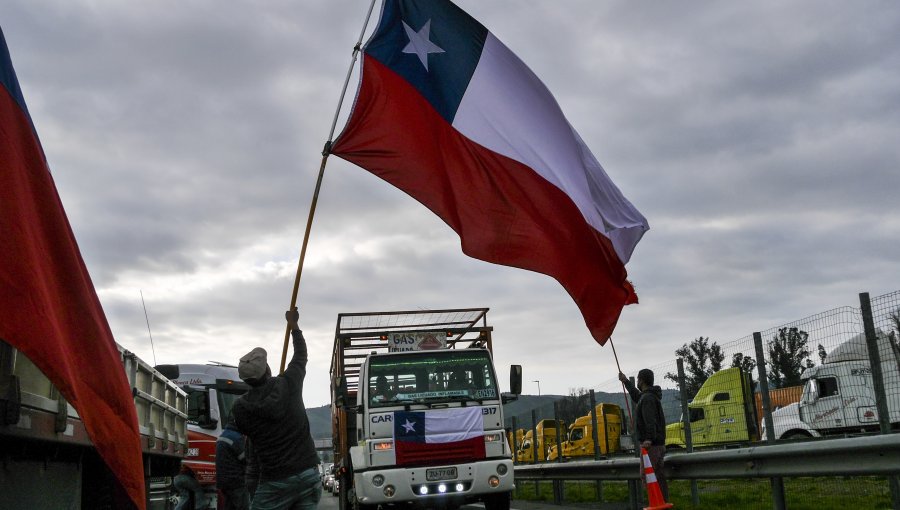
{"type": "Point", "coordinates": [795, 435]}
{"type": "Point", "coordinates": [498, 501]}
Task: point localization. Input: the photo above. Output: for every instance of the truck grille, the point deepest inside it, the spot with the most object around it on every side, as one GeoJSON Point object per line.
{"type": "Point", "coordinates": [436, 454]}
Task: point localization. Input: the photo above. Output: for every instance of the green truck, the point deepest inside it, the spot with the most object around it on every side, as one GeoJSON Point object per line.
{"type": "Point", "coordinates": [726, 410]}
{"type": "Point", "coordinates": [723, 411]}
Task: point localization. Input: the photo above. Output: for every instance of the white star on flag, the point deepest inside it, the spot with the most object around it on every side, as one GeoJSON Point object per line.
{"type": "Point", "coordinates": [410, 427]}
{"type": "Point", "coordinates": [420, 44]}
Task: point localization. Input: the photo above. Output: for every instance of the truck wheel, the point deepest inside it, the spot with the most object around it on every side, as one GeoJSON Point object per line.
{"type": "Point", "coordinates": [497, 501]}
{"type": "Point", "coordinates": [795, 435]}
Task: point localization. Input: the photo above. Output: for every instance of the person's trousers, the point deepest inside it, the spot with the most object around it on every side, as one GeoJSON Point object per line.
{"type": "Point", "coordinates": [297, 492]}
{"type": "Point", "coordinates": [236, 498]}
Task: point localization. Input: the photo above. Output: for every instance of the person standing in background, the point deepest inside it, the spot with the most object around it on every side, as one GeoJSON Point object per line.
{"type": "Point", "coordinates": [649, 423]}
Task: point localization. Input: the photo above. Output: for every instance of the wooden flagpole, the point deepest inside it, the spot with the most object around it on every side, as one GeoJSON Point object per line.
{"type": "Point", "coordinates": [315, 199]}
{"type": "Point", "coordinates": [624, 390]}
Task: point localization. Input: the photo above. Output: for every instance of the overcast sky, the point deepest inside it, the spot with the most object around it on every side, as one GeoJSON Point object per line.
{"type": "Point", "coordinates": [760, 139]}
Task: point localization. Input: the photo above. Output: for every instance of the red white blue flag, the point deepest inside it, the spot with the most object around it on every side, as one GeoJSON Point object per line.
{"type": "Point", "coordinates": [48, 307]}
{"type": "Point", "coordinates": [451, 116]}
{"type": "Point", "coordinates": [438, 436]}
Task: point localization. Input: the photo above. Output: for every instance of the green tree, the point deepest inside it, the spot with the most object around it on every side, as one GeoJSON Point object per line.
{"type": "Point", "coordinates": [788, 356]}
{"type": "Point", "coordinates": [745, 363]}
{"type": "Point", "coordinates": [702, 359]}
{"type": "Point", "coordinates": [822, 354]}
{"type": "Point", "coordinates": [576, 404]}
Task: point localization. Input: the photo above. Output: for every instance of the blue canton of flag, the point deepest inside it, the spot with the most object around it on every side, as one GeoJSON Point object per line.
{"type": "Point", "coordinates": [409, 426]}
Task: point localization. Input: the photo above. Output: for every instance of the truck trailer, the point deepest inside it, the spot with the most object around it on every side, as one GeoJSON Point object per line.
{"type": "Point", "coordinates": [46, 457]}
{"type": "Point", "coordinates": [417, 411]}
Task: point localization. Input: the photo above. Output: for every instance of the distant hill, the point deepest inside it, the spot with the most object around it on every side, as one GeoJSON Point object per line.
{"type": "Point", "coordinates": [320, 417]}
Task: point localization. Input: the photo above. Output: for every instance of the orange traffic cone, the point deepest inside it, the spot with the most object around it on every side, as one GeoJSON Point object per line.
{"type": "Point", "coordinates": [654, 495]}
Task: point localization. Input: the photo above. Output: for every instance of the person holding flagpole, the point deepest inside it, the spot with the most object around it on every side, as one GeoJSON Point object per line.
{"type": "Point", "coordinates": [649, 422]}
{"type": "Point", "coordinates": [273, 416]}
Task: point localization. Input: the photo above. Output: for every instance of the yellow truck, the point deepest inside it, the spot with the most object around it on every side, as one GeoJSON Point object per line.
{"type": "Point", "coordinates": [546, 437]}
{"type": "Point", "coordinates": [580, 442]}
{"type": "Point", "coordinates": [726, 410]}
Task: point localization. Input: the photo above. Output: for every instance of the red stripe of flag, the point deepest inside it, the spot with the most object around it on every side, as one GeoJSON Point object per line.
{"type": "Point", "coordinates": [48, 307]}
{"type": "Point", "coordinates": [502, 210]}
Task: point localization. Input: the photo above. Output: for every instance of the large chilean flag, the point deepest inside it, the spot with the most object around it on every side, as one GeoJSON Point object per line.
{"type": "Point", "coordinates": [451, 116]}
{"type": "Point", "coordinates": [48, 307]}
{"type": "Point", "coordinates": [439, 436]}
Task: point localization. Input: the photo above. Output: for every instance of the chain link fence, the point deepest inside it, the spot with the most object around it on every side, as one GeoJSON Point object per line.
{"type": "Point", "coordinates": [808, 379]}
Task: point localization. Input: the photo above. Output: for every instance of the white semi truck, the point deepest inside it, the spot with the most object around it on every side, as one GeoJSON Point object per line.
{"type": "Point", "coordinates": [838, 395]}
{"type": "Point", "coordinates": [211, 391]}
{"type": "Point", "coordinates": [417, 411]}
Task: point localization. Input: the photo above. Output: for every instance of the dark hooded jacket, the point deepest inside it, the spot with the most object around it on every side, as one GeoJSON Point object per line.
{"type": "Point", "coordinates": [273, 416]}
{"type": "Point", "coordinates": [649, 420]}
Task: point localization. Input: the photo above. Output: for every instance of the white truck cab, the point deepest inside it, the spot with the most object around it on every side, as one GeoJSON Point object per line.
{"type": "Point", "coordinates": [419, 418]}
{"type": "Point", "coordinates": [838, 395]}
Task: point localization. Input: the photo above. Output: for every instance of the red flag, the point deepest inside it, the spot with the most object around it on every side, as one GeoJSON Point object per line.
{"type": "Point", "coordinates": [48, 307]}
{"type": "Point", "coordinates": [451, 116]}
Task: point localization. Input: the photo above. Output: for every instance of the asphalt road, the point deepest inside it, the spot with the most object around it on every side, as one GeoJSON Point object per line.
{"type": "Point", "coordinates": [329, 502]}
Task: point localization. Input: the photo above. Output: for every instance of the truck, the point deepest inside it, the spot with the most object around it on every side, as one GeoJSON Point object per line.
{"type": "Point", "coordinates": [546, 439]}
{"type": "Point", "coordinates": [49, 459]}
{"type": "Point", "coordinates": [838, 396]}
{"type": "Point", "coordinates": [417, 411]}
{"type": "Point", "coordinates": [211, 390]}
{"type": "Point", "coordinates": [726, 410]}
{"type": "Point", "coordinates": [580, 437]}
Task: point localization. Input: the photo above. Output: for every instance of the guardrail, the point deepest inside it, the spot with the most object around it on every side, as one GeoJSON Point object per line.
{"type": "Point", "coordinates": [857, 456]}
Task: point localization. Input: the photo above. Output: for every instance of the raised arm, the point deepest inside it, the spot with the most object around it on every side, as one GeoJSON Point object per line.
{"type": "Point", "coordinates": [296, 369]}
{"type": "Point", "coordinates": [632, 391]}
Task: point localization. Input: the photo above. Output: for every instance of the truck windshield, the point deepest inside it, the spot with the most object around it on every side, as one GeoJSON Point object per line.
{"type": "Point", "coordinates": [227, 398]}
{"type": "Point", "coordinates": [421, 378]}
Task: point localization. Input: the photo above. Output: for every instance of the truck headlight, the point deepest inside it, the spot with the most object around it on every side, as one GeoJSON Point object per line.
{"type": "Point", "coordinates": [492, 438]}
{"type": "Point", "coordinates": [383, 445]}
{"type": "Point", "coordinates": [493, 481]}
{"type": "Point", "coordinates": [501, 469]}
{"type": "Point", "coordinates": [389, 491]}
{"type": "Point", "coordinates": [378, 480]}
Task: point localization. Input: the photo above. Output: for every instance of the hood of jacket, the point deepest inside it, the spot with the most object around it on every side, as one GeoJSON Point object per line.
{"type": "Point", "coordinates": [655, 390]}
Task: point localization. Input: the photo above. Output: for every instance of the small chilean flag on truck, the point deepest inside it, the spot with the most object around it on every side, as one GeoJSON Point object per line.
{"type": "Point", "coordinates": [438, 436]}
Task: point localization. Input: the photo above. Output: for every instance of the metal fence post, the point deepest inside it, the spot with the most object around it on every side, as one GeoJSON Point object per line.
{"type": "Point", "coordinates": [884, 419]}
{"type": "Point", "coordinates": [594, 426]}
{"type": "Point", "coordinates": [559, 433]}
{"type": "Point", "coordinates": [777, 481]}
{"type": "Point", "coordinates": [634, 486]}
{"type": "Point", "coordinates": [605, 430]}
{"type": "Point", "coordinates": [514, 447]}
{"type": "Point", "coordinates": [558, 495]}
{"type": "Point", "coordinates": [686, 421]}
{"type": "Point", "coordinates": [534, 458]}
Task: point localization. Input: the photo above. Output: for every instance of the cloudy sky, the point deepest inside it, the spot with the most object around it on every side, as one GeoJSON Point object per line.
{"type": "Point", "coordinates": [761, 140]}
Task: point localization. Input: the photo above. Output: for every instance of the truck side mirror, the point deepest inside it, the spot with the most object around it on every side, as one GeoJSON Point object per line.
{"type": "Point", "coordinates": [515, 379]}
